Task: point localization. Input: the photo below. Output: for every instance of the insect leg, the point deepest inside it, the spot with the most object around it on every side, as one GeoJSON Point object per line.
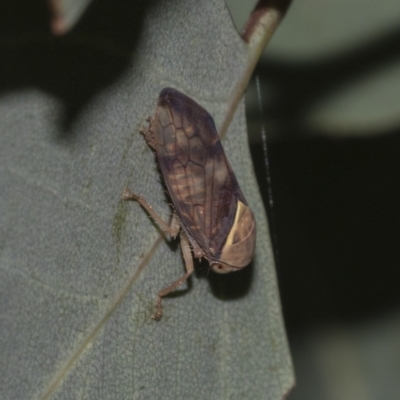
{"type": "Point", "coordinates": [172, 229]}
{"type": "Point", "coordinates": [197, 250]}
{"type": "Point", "coordinates": [148, 133]}
{"type": "Point", "coordinates": [187, 256]}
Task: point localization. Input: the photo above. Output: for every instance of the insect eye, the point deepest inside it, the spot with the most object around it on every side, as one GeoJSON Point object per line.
{"type": "Point", "coordinates": [221, 268]}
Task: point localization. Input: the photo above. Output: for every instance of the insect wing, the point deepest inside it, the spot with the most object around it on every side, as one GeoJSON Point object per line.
{"type": "Point", "coordinates": [198, 176]}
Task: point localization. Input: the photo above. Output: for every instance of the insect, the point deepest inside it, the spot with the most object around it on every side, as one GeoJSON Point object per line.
{"type": "Point", "coordinates": [210, 212]}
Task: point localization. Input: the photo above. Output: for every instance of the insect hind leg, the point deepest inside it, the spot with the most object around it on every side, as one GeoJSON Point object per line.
{"type": "Point", "coordinates": [187, 256]}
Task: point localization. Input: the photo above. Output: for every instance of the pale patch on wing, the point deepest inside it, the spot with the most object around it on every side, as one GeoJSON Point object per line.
{"type": "Point", "coordinates": [182, 147]}
{"type": "Point", "coordinates": [197, 150]}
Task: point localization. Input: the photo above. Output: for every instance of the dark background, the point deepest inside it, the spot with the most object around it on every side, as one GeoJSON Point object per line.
{"type": "Point", "coordinates": [332, 198]}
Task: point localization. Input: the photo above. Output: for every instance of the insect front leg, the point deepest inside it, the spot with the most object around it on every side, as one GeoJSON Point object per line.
{"type": "Point", "coordinates": [172, 229]}
{"type": "Point", "coordinates": [187, 256]}
{"type": "Point", "coordinates": [148, 133]}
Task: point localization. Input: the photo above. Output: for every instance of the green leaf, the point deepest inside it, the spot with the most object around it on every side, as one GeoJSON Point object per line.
{"type": "Point", "coordinates": [80, 269]}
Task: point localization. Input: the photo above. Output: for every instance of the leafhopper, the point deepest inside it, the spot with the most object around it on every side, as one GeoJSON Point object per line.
{"type": "Point", "coordinates": [210, 212]}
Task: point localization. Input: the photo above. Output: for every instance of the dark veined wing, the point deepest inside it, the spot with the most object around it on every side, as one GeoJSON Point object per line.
{"type": "Point", "coordinates": [198, 176]}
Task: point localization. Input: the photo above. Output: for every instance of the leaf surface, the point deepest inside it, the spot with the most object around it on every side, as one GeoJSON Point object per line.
{"type": "Point", "coordinates": [80, 269]}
